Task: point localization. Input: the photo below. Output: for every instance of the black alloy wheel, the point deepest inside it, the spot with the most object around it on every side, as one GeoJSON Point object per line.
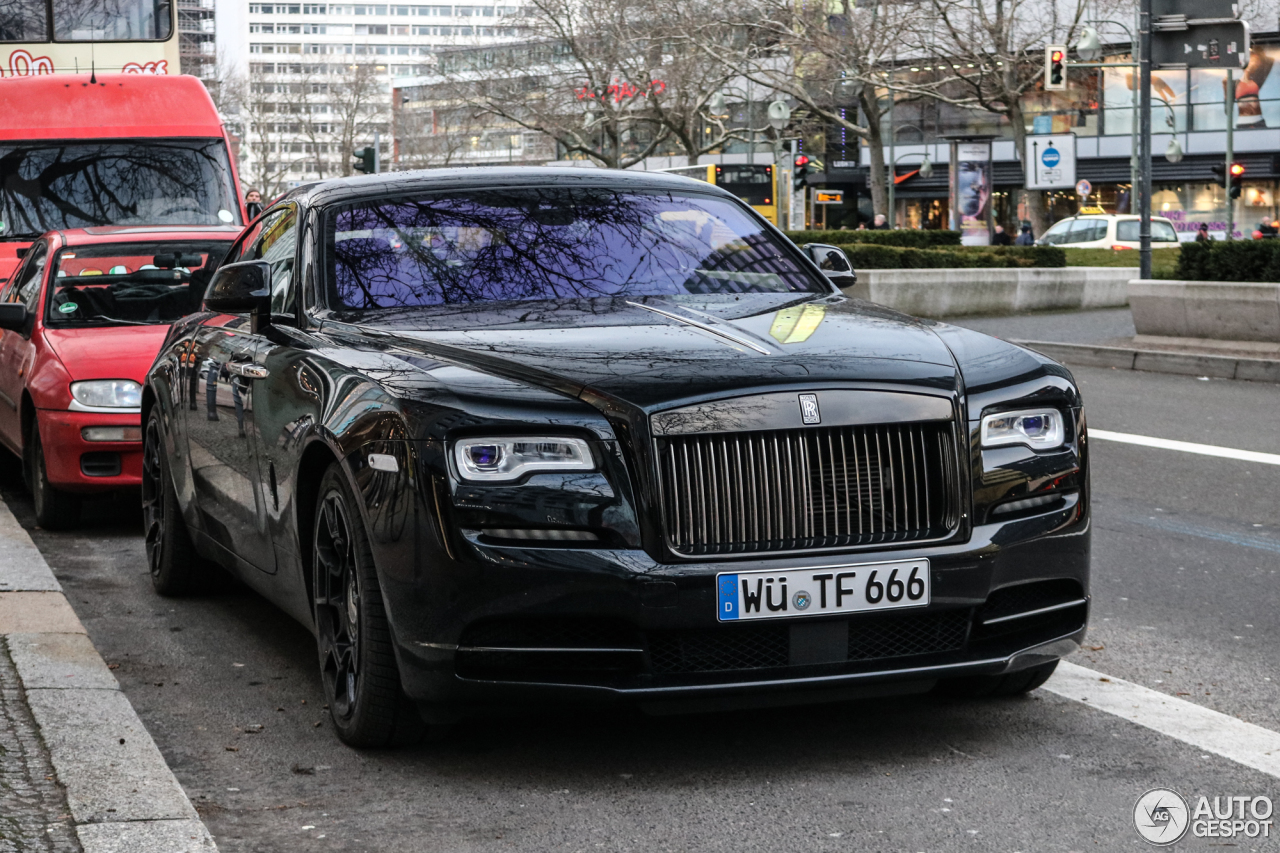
{"type": "Point", "coordinates": [55, 509]}
{"type": "Point", "coordinates": [171, 556]}
{"type": "Point", "coordinates": [357, 662]}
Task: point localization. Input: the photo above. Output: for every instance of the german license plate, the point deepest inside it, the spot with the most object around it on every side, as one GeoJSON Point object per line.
{"type": "Point", "coordinates": [822, 591]}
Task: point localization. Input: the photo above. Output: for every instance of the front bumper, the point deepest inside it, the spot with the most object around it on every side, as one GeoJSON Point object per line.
{"type": "Point", "coordinates": [557, 625]}
{"type": "Point", "coordinates": [76, 465]}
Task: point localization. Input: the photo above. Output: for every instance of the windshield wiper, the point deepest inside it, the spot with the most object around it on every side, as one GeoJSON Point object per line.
{"type": "Point", "coordinates": [118, 320]}
{"type": "Point", "coordinates": [24, 236]}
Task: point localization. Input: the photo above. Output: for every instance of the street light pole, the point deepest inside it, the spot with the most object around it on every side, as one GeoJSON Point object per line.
{"type": "Point", "coordinates": [1144, 141]}
{"type": "Point", "coordinates": [1231, 154]}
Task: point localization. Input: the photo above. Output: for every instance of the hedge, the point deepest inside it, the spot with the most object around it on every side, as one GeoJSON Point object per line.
{"type": "Point", "coordinates": [1230, 260]}
{"type": "Point", "coordinates": [901, 237]}
{"type": "Point", "coordinates": [1040, 256]}
{"type": "Point", "coordinates": [873, 257]}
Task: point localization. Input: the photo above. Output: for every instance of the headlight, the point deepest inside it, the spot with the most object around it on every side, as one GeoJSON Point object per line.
{"type": "Point", "coordinates": [494, 460]}
{"type": "Point", "coordinates": [108, 393]}
{"type": "Point", "coordinates": [1040, 429]}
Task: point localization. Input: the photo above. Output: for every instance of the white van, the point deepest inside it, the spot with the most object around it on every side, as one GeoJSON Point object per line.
{"type": "Point", "coordinates": [1108, 231]}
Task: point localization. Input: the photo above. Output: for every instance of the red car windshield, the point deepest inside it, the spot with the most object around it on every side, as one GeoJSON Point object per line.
{"type": "Point", "coordinates": [127, 284]}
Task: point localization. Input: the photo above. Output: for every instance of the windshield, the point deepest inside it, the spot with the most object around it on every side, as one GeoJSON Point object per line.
{"type": "Point", "coordinates": [544, 243]}
{"type": "Point", "coordinates": [125, 284]}
{"type": "Point", "coordinates": [76, 184]}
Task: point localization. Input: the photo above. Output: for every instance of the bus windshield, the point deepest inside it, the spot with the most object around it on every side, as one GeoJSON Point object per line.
{"type": "Point", "coordinates": [78, 184]}
{"type": "Point", "coordinates": [86, 20]}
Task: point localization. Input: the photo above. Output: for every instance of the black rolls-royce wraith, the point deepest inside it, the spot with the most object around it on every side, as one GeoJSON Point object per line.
{"type": "Point", "coordinates": [543, 435]}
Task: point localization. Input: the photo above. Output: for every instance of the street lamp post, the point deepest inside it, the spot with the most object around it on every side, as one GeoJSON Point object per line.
{"type": "Point", "coordinates": [926, 171]}
{"type": "Point", "coordinates": [779, 118]}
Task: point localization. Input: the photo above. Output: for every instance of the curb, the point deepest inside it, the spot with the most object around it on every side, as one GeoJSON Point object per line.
{"type": "Point", "coordinates": [1159, 361]}
{"type": "Point", "coordinates": [122, 796]}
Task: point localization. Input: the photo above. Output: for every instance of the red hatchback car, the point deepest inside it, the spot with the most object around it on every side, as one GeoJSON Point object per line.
{"type": "Point", "coordinates": [81, 320]}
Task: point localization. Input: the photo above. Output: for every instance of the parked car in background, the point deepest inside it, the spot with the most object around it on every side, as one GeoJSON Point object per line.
{"type": "Point", "coordinates": [80, 322]}
{"type": "Point", "coordinates": [1108, 231]}
{"type": "Point", "coordinates": [503, 436]}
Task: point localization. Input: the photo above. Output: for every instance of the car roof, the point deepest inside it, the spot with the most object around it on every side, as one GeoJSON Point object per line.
{"type": "Point", "coordinates": [492, 177]}
{"type": "Point", "coordinates": [146, 233]}
{"type": "Point", "coordinates": [1118, 217]}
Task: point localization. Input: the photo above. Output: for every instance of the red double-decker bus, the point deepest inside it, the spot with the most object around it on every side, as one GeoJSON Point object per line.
{"type": "Point", "coordinates": [83, 150]}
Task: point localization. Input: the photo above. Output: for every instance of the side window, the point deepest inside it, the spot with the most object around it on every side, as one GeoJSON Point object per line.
{"type": "Point", "coordinates": [27, 285]}
{"type": "Point", "coordinates": [278, 245]}
{"type": "Point", "coordinates": [1058, 233]}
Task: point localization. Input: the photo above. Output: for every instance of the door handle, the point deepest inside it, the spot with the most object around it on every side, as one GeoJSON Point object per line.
{"type": "Point", "coordinates": [248, 371]}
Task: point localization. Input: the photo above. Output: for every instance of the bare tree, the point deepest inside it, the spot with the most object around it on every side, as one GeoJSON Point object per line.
{"type": "Point", "coordinates": [826, 58]}
{"type": "Point", "coordinates": [358, 105]}
{"type": "Point", "coordinates": [989, 55]}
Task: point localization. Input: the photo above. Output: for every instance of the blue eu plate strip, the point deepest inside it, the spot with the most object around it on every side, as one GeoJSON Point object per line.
{"type": "Point", "coordinates": [728, 586]}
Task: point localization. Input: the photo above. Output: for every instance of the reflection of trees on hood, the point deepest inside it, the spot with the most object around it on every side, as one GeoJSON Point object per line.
{"type": "Point", "coordinates": [85, 184]}
{"type": "Point", "coordinates": [548, 244]}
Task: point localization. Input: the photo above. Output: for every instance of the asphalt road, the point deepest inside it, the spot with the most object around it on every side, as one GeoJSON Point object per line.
{"type": "Point", "coordinates": [1186, 553]}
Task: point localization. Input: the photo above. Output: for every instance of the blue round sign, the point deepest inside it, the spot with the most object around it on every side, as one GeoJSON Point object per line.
{"type": "Point", "coordinates": [1050, 157]}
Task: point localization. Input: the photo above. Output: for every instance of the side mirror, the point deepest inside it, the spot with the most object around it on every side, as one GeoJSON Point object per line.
{"type": "Point", "coordinates": [833, 262]}
{"type": "Point", "coordinates": [13, 316]}
{"type": "Point", "coordinates": [240, 288]}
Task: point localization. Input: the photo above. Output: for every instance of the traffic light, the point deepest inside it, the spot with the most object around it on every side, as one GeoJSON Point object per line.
{"type": "Point", "coordinates": [801, 177]}
{"type": "Point", "coordinates": [1055, 66]}
{"type": "Point", "coordinates": [366, 161]}
{"type": "Point", "coordinates": [1237, 175]}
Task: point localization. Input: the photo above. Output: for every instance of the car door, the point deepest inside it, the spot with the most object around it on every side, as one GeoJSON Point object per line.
{"type": "Point", "coordinates": [16, 348]}
{"type": "Point", "coordinates": [221, 428]}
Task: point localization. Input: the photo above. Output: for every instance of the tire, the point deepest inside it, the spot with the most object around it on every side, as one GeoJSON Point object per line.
{"type": "Point", "coordinates": [55, 509]}
{"type": "Point", "coordinates": [997, 686]}
{"type": "Point", "coordinates": [171, 556]}
{"type": "Point", "coordinates": [357, 660]}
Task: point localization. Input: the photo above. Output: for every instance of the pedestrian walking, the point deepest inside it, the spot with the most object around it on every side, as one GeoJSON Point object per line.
{"type": "Point", "coordinates": [1001, 237]}
{"type": "Point", "coordinates": [881, 223]}
{"type": "Point", "coordinates": [1025, 238]}
{"type": "Point", "coordinates": [1202, 234]}
{"type": "Point", "coordinates": [252, 203]}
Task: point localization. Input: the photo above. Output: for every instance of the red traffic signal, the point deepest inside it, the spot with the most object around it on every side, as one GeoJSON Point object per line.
{"type": "Point", "coordinates": [1055, 56]}
{"type": "Point", "coordinates": [801, 160]}
{"type": "Point", "coordinates": [1237, 169]}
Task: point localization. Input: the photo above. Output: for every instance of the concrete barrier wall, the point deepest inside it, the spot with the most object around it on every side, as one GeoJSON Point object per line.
{"type": "Point", "coordinates": [1224, 310]}
{"type": "Point", "coordinates": [954, 292]}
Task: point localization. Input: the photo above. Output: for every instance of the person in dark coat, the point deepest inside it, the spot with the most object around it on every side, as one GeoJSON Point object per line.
{"type": "Point", "coordinates": [1025, 238]}
{"type": "Point", "coordinates": [1001, 237]}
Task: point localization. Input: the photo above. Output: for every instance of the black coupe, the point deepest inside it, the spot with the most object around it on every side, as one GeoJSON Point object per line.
{"type": "Point", "coordinates": [558, 435]}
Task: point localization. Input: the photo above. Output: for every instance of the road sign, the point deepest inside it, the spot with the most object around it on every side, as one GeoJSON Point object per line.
{"type": "Point", "coordinates": [1224, 44]}
{"type": "Point", "coordinates": [1195, 9]}
{"type": "Point", "coordinates": [828, 196]}
{"type": "Point", "coordinates": [1050, 161]}
{"type": "Point", "coordinates": [1083, 189]}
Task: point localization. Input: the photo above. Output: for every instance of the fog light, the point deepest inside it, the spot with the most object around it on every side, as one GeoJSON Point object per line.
{"type": "Point", "coordinates": [544, 535]}
{"type": "Point", "coordinates": [1025, 503]}
{"type": "Point", "coordinates": [111, 433]}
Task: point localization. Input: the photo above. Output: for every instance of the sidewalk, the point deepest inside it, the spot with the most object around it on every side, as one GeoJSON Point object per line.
{"type": "Point", "coordinates": [1107, 338]}
{"type": "Point", "coordinates": [79, 770]}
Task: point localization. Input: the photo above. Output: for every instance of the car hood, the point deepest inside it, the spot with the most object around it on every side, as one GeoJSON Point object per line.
{"type": "Point", "coordinates": [651, 352]}
{"type": "Point", "coordinates": [107, 352]}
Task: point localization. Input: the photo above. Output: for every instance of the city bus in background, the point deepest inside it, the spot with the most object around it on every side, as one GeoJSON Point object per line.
{"type": "Point", "coordinates": [82, 150]}
{"type": "Point", "coordinates": [83, 36]}
{"type": "Point", "coordinates": [757, 185]}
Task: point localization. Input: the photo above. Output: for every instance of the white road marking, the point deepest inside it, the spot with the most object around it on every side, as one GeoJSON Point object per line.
{"type": "Point", "coordinates": [1187, 446]}
{"type": "Point", "coordinates": [1206, 729]}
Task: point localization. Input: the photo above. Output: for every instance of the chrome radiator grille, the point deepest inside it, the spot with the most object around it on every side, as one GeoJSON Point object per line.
{"type": "Point", "coordinates": [785, 490]}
